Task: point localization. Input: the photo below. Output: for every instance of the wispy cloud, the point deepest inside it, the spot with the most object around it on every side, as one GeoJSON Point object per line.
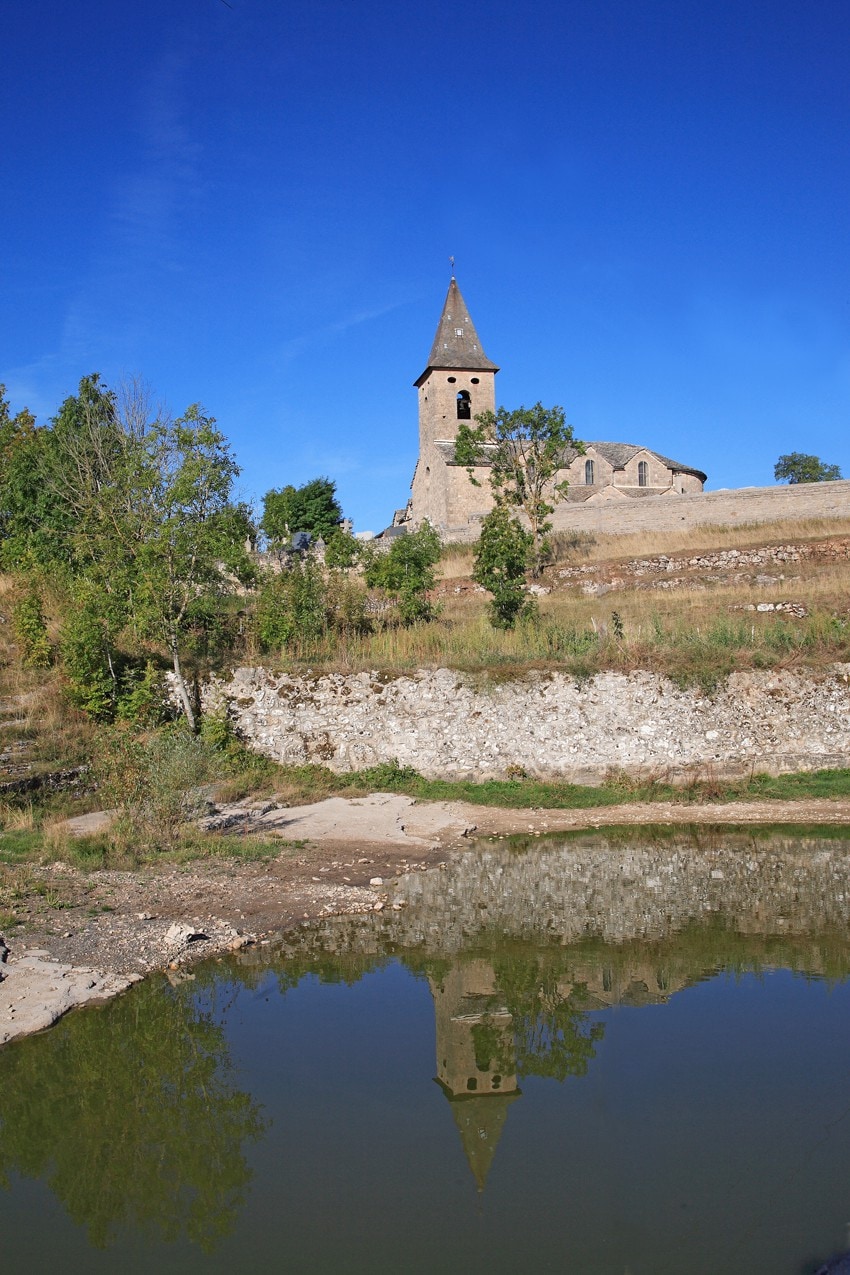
{"type": "Point", "coordinates": [296, 346]}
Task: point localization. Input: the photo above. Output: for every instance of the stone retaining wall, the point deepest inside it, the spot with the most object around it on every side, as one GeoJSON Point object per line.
{"type": "Point", "coordinates": [674, 511]}
{"type": "Point", "coordinates": [449, 725]}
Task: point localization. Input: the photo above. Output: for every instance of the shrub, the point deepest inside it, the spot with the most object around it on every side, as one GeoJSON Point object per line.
{"type": "Point", "coordinates": [31, 630]}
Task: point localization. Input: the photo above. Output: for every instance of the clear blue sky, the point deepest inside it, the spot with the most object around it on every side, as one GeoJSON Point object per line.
{"type": "Point", "coordinates": [252, 206]}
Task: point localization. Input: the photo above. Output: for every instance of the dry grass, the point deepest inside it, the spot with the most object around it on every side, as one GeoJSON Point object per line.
{"type": "Point", "coordinates": [599, 547]}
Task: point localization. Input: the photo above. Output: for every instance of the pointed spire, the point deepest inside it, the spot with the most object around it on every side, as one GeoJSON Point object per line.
{"type": "Point", "coordinates": [480, 1121]}
{"type": "Point", "coordinates": [456, 344]}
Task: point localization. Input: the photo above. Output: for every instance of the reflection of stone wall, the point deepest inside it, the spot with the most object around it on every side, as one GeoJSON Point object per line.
{"type": "Point", "coordinates": [596, 887]}
{"type": "Point", "coordinates": [615, 889]}
{"type": "Point", "coordinates": [447, 725]}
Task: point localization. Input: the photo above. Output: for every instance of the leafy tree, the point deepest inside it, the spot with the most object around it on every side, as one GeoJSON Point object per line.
{"type": "Point", "coordinates": [313, 508]}
{"type": "Point", "coordinates": [130, 514]}
{"type": "Point", "coordinates": [30, 629]}
{"type": "Point", "coordinates": [406, 572]}
{"type": "Point", "coordinates": [798, 467]}
{"type": "Point", "coordinates": [554, 1035]}
{"type": "Point", "coordinates": [342, 551]}
{"type": "Point", "coordinates": [193, 549]}
{"type": "Point", "coordinates": [291, 606]}
{"type": "Point", "coordinates": [524, 452]}
{"type": "Point", "coordinates": [501, 561]}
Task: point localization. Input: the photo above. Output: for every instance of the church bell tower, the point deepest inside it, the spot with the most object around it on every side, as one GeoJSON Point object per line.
{"type": "Point", "coordinates": [458, 383]}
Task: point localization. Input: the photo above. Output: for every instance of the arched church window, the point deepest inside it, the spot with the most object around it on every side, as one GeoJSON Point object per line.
{"type": "Point", "coordinates": [464, 406]}
{"type": "Point", "coordinates": [643, 474]}
{"type": "Point", "coordinates": [588, 473]}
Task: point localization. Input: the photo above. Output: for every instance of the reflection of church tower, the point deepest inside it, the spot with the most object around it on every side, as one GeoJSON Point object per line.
{"type": "Point", "coordinates": [457, 384]}
{"type": "Point", "coordinates": [476, 1058]}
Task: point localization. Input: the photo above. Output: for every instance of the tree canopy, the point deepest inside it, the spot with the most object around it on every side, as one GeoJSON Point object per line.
{"type": "Point", "coordinates": [524, 451]}
{"type": "Point", "coordinates": [313, 508]}
{"type": "Point", "coordinates": [131, 513]}
{"type": "Point", "coordinates": [799, 467]}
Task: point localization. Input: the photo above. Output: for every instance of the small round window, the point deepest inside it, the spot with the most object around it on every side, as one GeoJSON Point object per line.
{"type": "Point", "coordinates": [451, 379]}
{"type": "Point", "coordinates": [475, 380]}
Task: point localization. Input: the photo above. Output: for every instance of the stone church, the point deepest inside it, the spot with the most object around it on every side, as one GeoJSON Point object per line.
{"type": "Point", "coordinates": [459, 381]}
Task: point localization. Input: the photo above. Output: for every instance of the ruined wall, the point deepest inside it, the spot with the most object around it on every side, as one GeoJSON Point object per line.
{"type": "Point", "coordinates": [449, 725]}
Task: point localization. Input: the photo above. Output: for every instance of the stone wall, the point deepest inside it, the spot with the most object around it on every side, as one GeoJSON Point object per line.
{"type": "Point", "coordinates": [672, 511]}
{"type": "Point", "coordinates": [449, 725]}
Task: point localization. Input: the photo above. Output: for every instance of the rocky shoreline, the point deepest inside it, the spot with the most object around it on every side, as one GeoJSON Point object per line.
{"type": "Point", "coordinates": [109, 929]}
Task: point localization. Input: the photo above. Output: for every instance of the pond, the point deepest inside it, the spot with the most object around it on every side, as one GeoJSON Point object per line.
{"type": "Point", "coordinates": [624, 1053]}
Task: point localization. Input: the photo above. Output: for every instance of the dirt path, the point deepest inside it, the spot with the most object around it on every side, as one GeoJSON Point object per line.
{"type": "Point", "coordinates": [89, 935]}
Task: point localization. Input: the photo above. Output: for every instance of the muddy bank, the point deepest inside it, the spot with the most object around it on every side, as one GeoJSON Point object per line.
{"type": "Point", "coordinates": [102, 931]}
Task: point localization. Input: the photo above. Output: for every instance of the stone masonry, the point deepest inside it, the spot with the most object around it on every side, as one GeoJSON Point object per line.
{"type": "Point", "coordinates": [451, 725]}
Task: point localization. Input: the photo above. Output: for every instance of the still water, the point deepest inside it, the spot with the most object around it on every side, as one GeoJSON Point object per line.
{"type": "Point", "coordinates": [623, 1054]}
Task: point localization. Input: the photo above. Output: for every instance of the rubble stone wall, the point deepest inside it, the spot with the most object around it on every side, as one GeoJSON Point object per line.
{"type": "Point", "coordinates": [448, 724]}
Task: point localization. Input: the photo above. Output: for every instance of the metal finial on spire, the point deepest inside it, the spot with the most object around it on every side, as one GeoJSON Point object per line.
{"type": "Point", "coordinates": [452, 263]}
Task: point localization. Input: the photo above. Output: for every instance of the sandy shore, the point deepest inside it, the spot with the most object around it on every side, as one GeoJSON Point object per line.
{"type": "Point", "coordinates": [108, 929]}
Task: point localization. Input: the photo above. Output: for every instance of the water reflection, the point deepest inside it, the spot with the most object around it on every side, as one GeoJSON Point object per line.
{"type": "Point", "coordinates": [131, 1114]}
{"type": "Point", "coordinates": [522, 942]}
{"type": "Point", "coordinates": [690, 1114]}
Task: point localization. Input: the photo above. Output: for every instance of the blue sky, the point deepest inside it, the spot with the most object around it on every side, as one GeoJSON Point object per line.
{"type": "Point", "coordinates": [253, 206]}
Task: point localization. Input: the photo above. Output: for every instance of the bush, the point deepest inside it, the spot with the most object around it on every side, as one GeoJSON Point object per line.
{"type": "Point", "coordinates": [405, 572]}
{"type": "Point", "coordinates": [501, 561]}
{"type": "Point", "coordinates": [157, 782]}
{"type": "Point", "coordinates": [292, 607]}
{"type": "Point", "coordinates": [31, 631]}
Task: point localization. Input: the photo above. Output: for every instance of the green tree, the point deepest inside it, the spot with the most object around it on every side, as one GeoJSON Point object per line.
{"type": "Point", "coordinates": [501, 561]}
{"type": "Point", "coordinates": [342, 551]}
{"type": "Point", "coordinates": [798, 467]}
{"type": "Point", "coordinates": [313, 508]}
{"type": "Point", "coordinates": [553, 1033]}
{"type": "Point", "coordinates": [524, 451]}
{"type": "Point", "coordinates": [291, 607]}
{"type": "Point", "coordinates": [406, 572]}
{"type": "Point", "coordinates": [192, 552]}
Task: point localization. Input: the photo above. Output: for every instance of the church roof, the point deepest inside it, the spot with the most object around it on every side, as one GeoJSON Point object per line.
{"type": "Point", "coordinates": [617, 454]}
{"type": "Point", "coordinates": [456, 343]}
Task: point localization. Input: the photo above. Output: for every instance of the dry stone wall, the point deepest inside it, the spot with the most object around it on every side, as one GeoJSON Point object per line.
{"type": "Point", "coordinates": [673, 511]}
{"type": "Point", "coordinates": [450, 725]}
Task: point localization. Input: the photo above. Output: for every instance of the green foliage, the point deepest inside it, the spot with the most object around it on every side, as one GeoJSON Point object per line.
{"type": "Point", "coordinates": [405, 572]}
{"type": "Point", "coordinates": [158, 782]}
{"type": "Point", "coordinates": [142, 699]}
{"type": "Point", "coordinates": [524, 451]}
{"type": "Point", "coordinates": [387, 776]}
{"type": "Point", "coordinates": [553, 1035]}
{"type": "Point", "coordinates": [147, 1088]}
{"type": "Point", "coordinates": [89, 655]}
{"type": "Point", "coordinates": [799, 467]}
{"type": "Point", "coordinates": [342, 551]}
{"type": "Point", "coordinates": [30, 630]}
{"type": "Point", "coordinates": [313, 508]}
{"type": "Point", "coordinates": [291, 606]}
{"type": "Point", "coordinates": [501, 561]}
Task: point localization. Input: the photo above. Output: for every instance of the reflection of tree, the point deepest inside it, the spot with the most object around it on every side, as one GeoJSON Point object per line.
{"type": "Point", "coordinates": [554, 1036]}
{"type": "Point", "coordinates": [132, 1116]}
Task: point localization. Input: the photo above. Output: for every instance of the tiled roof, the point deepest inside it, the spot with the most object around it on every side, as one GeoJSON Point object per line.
{"type": "Point", "coordinates": [617, 454]}
{"type": "Point", "coordinates": [456, 344]}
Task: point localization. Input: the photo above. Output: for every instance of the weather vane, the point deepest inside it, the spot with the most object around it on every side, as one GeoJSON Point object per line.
{"type": "Point", "coordinates": [452, 262]}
